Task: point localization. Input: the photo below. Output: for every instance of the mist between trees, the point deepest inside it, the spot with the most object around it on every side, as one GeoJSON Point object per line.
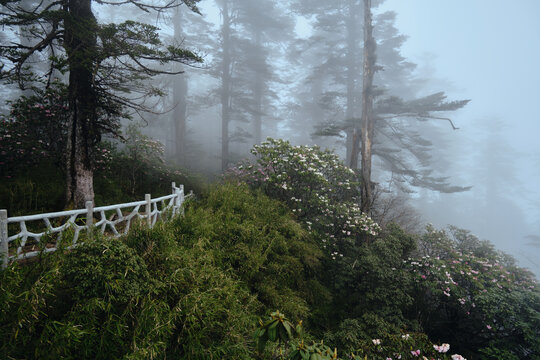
{"type": "Point", "coordinates": [209, 79]}
{"type": "Point", "coordinates": [257, 76]}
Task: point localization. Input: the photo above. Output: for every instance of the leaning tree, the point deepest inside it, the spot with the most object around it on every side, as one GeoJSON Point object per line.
{"type": "Point", "coordinates": [361, 90]}
{"type": "Point", "coordinates": [106, 68]}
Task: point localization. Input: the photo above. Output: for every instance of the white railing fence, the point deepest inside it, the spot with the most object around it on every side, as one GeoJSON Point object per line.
{"type": "Point", "coordinates": [115, 220]}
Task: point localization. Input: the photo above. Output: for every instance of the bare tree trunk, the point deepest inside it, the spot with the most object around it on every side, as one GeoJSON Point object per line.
{"type": "Point", "coordinates": [349, 141]}
{"type": "Point", "coordinates": [367, 107]}
{"type": "Point", "coordinates": [80, 43]}
{"type": "Point", "coordinates": [225, 86]}
{"type": "Point", "coordinates": [367, 111]}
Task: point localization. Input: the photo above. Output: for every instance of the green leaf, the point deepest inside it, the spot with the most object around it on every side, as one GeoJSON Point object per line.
{"type": "Point", "coordinates": [287, 326]}
{"type": "Point", "coordinates": [259, 332]}
{"type": "Point", "coordinates": [261, 344]}
{"type": "Point", "coordinates": [294, 355]}
{"type": "Point", "coordinates": [272, 331]}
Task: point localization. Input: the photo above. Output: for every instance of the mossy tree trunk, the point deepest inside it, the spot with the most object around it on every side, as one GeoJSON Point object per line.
{"type": "Point", "coordinates": [80, 46]}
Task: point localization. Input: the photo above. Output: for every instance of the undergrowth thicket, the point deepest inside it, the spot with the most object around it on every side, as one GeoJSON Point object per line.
{"type": "Point", "coordinates": [32, 157]}
{"type": "Point", "coordinates": [190, 289]}
{"type": "Point", "coordinates": [277, 235]}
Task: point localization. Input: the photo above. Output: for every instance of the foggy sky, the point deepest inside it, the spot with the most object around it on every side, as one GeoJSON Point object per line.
{"type": "Point", "coordinates": [487, 51]}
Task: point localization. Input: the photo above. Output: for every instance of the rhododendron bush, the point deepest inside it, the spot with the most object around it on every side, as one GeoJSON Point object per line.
{"type": "Point", "coordinates": [476, 297]}
{"type": "Point", "coordinates": [33, 131]}
{"type": "Point", "coordinates": [447, 287]}
{"type": "Point", "coordinates": [322, 192]}
{"type": "Point", "coordinates": [292, 344]}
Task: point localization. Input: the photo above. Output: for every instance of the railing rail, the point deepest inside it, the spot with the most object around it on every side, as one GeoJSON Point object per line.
{"type": "Point", "coordinates": [28, 243]}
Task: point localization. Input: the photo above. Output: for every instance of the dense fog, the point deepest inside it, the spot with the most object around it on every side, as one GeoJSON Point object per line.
{"type": "Point", "coordinates": [455, 84]}
{"type": "Point", "coordinates": [423, 48]}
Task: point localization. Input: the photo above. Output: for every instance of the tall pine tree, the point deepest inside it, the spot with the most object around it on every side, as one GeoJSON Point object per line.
{"type": "Point", "coordinates": [335, 84]}
{"type": "Point", "coordinates": [105, 63]}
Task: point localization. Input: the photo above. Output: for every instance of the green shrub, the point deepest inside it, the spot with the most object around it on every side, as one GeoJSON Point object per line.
{"type": "Point", "coordinates": [105, 268]}
{"type": "Point", "coordinates": [209, 313]}
{"type": "Point", "coordinates": [320, 190]}
{"type": "Point", "coordinates": [39, 189]}
{"type": "Point", "coordinates": [405, 346]}
{"type": "Point", "coordinates": [288, 342]}
{"type": "Point", "coordinates": [257, 239]}
{"type": "Point", "coordinates": [139, 299]}
{"type": "Point", "coordinates": [483, 305]}
{"type": "Point", "coordinates": [35, 130]}
{"type": "Point", "coordinates": [126, 171]}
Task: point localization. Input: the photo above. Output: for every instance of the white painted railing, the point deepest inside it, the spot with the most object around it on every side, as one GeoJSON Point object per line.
{"type": "Point", "coordinates": [113, 219]}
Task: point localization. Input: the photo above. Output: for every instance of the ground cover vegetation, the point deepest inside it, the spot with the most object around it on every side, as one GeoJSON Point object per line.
{"type": "Point", "coordinates": [280, 233]}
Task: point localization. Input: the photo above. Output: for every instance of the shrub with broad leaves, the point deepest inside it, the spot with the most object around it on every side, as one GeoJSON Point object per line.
{"type": "Point", "coordinates": [290, 343]}
{"type": "Point", "coordinates": [322, 192]}
{"type": "Point", "coordinates": [484, 303]}
{"type": "Point", "coordinates": [34, 130]}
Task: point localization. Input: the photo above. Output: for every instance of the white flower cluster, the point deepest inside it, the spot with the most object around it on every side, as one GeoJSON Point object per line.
{"type": "Point", "coordinates": [442, 348]}
{"type": "Point", "coordinates": [321, 191]}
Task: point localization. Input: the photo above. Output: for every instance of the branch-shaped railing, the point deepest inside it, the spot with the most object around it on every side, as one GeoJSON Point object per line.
{"type": "Point", "coordinates": [34, 237]}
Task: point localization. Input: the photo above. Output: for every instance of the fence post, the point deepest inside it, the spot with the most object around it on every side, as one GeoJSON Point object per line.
{"type": "Point", "coordinates": [148, 200]}
{"type": "Point", "coordinates": [175, 199]}
{"type": "Point", "coordinates": [4, 249]}
{"type": "Point", "coordinates": [90, 218]}
{"type": "Point", "coordinates": [181, 199]}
